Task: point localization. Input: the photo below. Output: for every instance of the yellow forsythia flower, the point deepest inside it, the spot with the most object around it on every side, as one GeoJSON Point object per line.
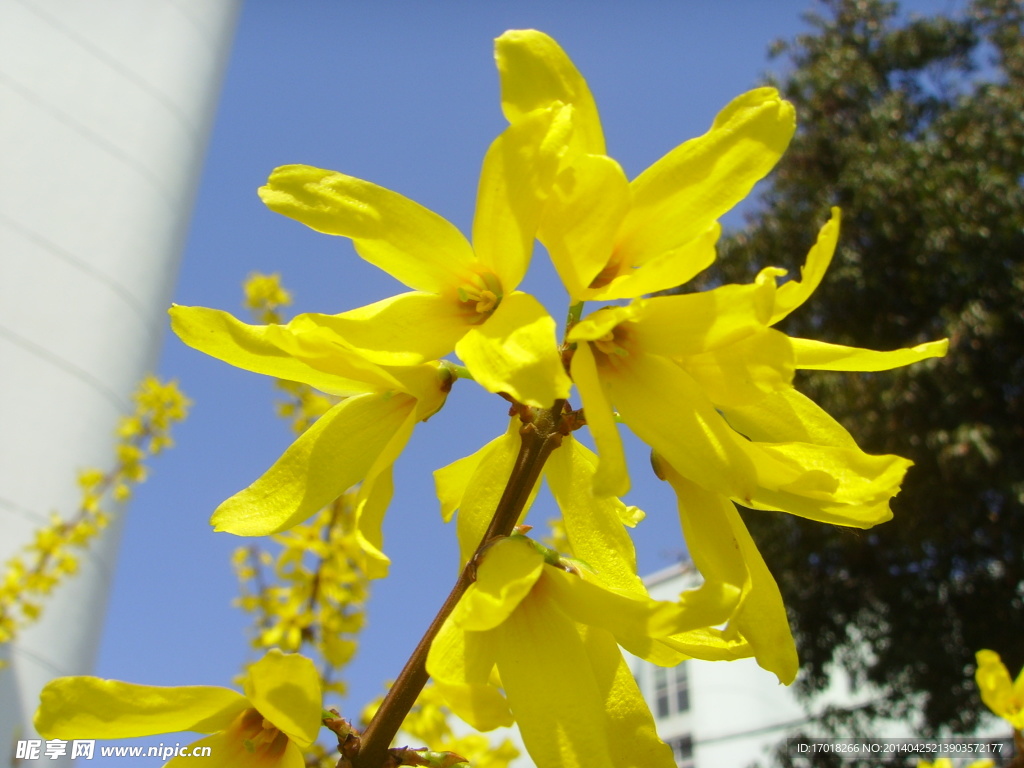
{"type": "Point", "coordinates": [355, 441]}
{"type": "Point", "coordinates": [1002, 696]}
{"type": "Point", "coordinates": [464, 296]}
{"type": "Point", "coordinates": [611, 238]}
{"type": "Point", "coordinates": [267, 727]}
{"type": "Point", "coordinates": [703, 378]}
{"type": "Point", "coordinates": [264, 294]}
{"type": "Point", "coordinates": [572, 694]}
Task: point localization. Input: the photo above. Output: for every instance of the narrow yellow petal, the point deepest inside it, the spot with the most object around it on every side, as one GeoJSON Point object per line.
{"type": "Point", "coordinates": [634, 739]}
{"type": "Point", "coordinates": [285, 689]}
{"type": "Point", "coordinates": [691, 323]}
{"type": "Point", "coordinates": [518, 172]}
{"type": "Point", "coordinates": [683, 193]}
{"type": "Point", "coordinates": [326, 460]}
{"type": "Point", "coordinates": [998, 693]}
{"type": "Point", "coordinates": [581, 220]}
{"type": "Point", "coordinates": [535, 73]}
{"type": "Point", "coordinates": [552, 691]}
{"type": "Point", "coordinates": [795, 292]}
{"type": "Point", "coordinates": [484, 489]}
{"type": "Point", "coordinates": [859, 489]}
{"type": "Point", "coordinates": [406, 240]}
{"type": "Point", "coordinates": [708, 644]}
{"type": "Point", "coordinates": [593, 524]}
{"type": "Point", "coordinates": [300, 351]}
{"type": "Point", "coordinates": [93, 708]}
{"type": "Point", "coordinates": [661, 271]}
{"type": "Point", "coordinates": [724, 552]}
{"type": "Point", "coordinates": [744, 372]}
{"type": "Point", "coordinates": [506, 575]}
{"type": "Point", "coordinates": [611, 478]}
{"type": "Point", "coordinates": [637, 620]}
{"type": "Point", "coordinates": [451, 481]}
{"type": "Point", "coordinates": [515, 352]}
{"type": "Point", "coordinates": [460, 664]}
{"type": "Point", "coordinates": [602, 322]}
{"type": "Point", "coordinates": [819, 356]}
{"type": "Point", "coordinates": [371, 503]}
{"type": "Point", "coordinates": [787, 416]}
{"type": "Point", "coordinates": [403, 330]}
{"type": "Point", "coordinates": [667, 409]}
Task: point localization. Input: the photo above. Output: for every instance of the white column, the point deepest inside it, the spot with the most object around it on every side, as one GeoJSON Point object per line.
{"type": "Point", "coordinates": [105, 111]}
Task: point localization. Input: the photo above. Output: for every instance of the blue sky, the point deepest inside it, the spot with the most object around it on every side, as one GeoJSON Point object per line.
{"type": "Point", "coordinates": [405, 95]}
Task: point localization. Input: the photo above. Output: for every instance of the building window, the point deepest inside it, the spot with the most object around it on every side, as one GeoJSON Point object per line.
{"type": "Point", "coordinates": [682, 750]}
{"type": "Point", "coordinates": [671, 691]}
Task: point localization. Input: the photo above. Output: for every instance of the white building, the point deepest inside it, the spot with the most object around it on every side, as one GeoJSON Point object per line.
{"type": "Point", "coordinates": [105, 111]}
{"type": "Point", "coordinates": [733, 714]}
{"type": "Point", "coordinates": [718, 714]}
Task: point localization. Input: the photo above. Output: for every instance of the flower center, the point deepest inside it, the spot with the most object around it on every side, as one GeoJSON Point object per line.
{"type": "Point", "coordinates": [259, 736]}
{"type": "Point", "coordinates": [480, 298]}
{"type": "Point", "coordinates": [612, 348]}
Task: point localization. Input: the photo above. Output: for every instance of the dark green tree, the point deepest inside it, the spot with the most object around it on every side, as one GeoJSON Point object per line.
{"type": "Point", "coordinates": [915, 128]}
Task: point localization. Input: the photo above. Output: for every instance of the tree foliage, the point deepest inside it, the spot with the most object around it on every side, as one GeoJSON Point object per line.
{"type": "Point", "coordinates": [913, 127]}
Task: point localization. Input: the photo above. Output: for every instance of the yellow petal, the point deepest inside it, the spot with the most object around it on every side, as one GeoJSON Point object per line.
{"type": "Point", "coordinates": [285, 689]}
{"type": "Point", "coordinates": [460, 664]}
{"type": "Point", "coordinates": [683, 193]}
{"type": "Point", "coordinates": [574, 699]}
{"type": "Point", "coordinates": [724, 552]}
{"type": "Point", "coordinates": [92, 708]}
{"type": "Point", "coordinates": [535, 73]}
{"type": "Point", "coordinates": [787, 416]}
{"type": "Point", "coordinates": [667, 409]}
{"type": "Point", "coordinates": [518, 172]}
{"type": "Point", "coordinates": [581, 220]}
{"type": "Point", "coordinates": [406, 240]}
{"type": "Point", "coordinates": [998, 693]}
{"type": "Point", "coordinates": [634, 739]}
{"type": "Point", "coordinates": [551, 689]}
{"type": "Point", "coordinates": [819, 356]}
{"type": "Point", "coordinates": [371, 504]}
{"type": "Point", "coordinates": [515, 352]}
{"type": "Point", "coordinates": [604, 321]}
{"type": "Point", "coordinates": [660, 271]}
{"type": "Point", "coordinates": [228, 749]}
{"type": "Point", "coordinates": [450, 482]}
{"type": "Point", "coordinates": [484, 490]}
{"type": "Point", "coordinates": [744, 372]}
{"type": "Point", "coordinates": [636, 621]}
{"type": "Point", "coordinates": [593, 524]}
{"type": "Point", "coordinates": [404, 330]}
{"type": "Point", "coordinates": [857, 495]}
{"type": "Point", "coordinates": [326, 460]}
{"type": "Point", "coordinates": [795, 292]}
{"type": "Point", "coordinates": [611, 478]}
{"type": "Point", "coordinates": [507, 573]}
{"type": "Point", "coordinates": [301, 351]}
{"type": "Point", "coordinates": [691, 323]}
{"type": "Point", "coordinates": [708, 644]}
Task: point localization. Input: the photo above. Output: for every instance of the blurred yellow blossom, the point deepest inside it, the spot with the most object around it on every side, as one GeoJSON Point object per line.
{"type": "Point", "coordinates": [1003, 696]}
{"type": "Point", "coordinates": [268, 727]}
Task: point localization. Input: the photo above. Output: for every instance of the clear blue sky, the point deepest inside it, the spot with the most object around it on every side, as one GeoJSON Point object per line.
{"type": "Point", "coordinates": [406, 95]}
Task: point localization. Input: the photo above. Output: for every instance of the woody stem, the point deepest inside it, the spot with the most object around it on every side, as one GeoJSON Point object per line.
{"type": "Point", "coordinates": [539, 438]}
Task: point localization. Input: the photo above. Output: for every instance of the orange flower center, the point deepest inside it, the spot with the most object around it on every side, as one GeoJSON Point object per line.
{"type": "Point", "coordinates": [612, 348]}
{"type": "Point", "coordinates": [480, 298]}
{"type": "Point", "coordinates": [260, 737]}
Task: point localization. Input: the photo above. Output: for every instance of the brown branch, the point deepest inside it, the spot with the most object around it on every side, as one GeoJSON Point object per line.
{"type": "Point", "coordinates": [541, 433]}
